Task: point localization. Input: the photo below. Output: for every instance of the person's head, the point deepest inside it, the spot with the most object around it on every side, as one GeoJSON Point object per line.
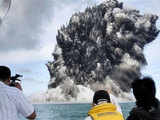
{"type": "Point", "coordinates": [5, 74]}
{"type": "Point", "coordinates": [144, 91]}
{"type": "Point", "coordinates": [101, 96]}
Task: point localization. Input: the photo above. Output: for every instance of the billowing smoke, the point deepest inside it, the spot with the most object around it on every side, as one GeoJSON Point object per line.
{"type": "Point", "coordinates": [102, 47]}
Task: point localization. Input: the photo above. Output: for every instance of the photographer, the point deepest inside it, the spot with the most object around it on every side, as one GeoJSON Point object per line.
{"type": "Point", "coordinates": [12, 100]}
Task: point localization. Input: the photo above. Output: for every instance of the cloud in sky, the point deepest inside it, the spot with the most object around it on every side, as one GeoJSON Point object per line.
{"type": "Point", "coordinates": [21, 30]}
{"type": "Point", "coordinates": [25, 71]}
{"type": "Point", "coordinates": [22, 26]}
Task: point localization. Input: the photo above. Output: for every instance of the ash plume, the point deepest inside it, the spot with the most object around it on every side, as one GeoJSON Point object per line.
{"type": "Point", "coordinates": [102, 46]}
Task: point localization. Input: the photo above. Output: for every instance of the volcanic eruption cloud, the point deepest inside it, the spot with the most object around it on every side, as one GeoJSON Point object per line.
{"type": "Point", "coordinates": [101, 47]}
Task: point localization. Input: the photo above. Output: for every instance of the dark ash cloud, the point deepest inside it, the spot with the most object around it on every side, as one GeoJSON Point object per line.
{"type": "Point", "coordinates": [99, 43]}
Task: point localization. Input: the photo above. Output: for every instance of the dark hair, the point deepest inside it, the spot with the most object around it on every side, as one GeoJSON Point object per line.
{"type": "Point", "coordinates": [5, 73]}
{"type": "Point", "coordinates": [101, 95]}
{"type": "Point", "coordinates": [144, 91]}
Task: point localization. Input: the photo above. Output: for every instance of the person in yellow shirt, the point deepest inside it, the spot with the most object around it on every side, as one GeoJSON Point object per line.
{"type": "Point", "coordinates": [102, 108]}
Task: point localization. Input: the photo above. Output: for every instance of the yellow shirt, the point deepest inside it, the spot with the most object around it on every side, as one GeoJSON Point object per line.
{"type": "Point", "coordinates": [105, 111]}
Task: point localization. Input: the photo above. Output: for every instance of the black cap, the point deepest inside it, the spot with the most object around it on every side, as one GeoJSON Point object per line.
{"type": "Point", "coordinates": [101, 95]}
{"type": "Point", "coordinates": [5, 73]}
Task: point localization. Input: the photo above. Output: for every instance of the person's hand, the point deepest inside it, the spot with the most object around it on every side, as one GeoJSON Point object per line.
{"type": "Point", "coordinates": [17, 85]}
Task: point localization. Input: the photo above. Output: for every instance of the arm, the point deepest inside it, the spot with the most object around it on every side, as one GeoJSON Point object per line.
{"type": "Point", "coordinates": [24, 107]}
{"type": "Point", "coordinates": [17, 85]}
{"type": "Point", "coordinates": [32, 116]}
{"type": "Point", "coordinates": [115, 102]}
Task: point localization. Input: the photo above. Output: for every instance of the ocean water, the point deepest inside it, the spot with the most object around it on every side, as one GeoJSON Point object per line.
{"type": "Point", "coordinates": [69, 111]}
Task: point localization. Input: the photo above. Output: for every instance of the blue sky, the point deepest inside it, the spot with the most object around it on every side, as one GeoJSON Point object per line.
{"type": "Point", "coordinates": [28, 36]}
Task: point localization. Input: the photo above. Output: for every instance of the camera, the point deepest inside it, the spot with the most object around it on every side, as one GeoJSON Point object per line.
{"type": "Point", "coordinates": [15, 79]}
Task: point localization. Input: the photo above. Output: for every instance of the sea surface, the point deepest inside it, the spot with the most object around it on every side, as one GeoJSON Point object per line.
{"type": "Point", "coordinates": [69, 111]}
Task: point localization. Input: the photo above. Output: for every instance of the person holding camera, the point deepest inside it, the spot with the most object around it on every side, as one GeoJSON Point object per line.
{"type": "Point", "coordinates": [12, 100]}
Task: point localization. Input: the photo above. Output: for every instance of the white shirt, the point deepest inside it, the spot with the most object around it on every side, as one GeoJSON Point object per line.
{"type": "Point", "coordinates": [13, 102]}
{"type": "Point", "coordinates": [88, 118]}
{"type": "Point", "coordinates": [114, 101]}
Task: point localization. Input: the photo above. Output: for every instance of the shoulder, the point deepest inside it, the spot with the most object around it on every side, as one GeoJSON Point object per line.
{"type": "Point", "coordinates": [139, 114]}
{"type": "Point", "coordinates": [13, 91]}
{"type": "Point", "coordinates": [158, 104]}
